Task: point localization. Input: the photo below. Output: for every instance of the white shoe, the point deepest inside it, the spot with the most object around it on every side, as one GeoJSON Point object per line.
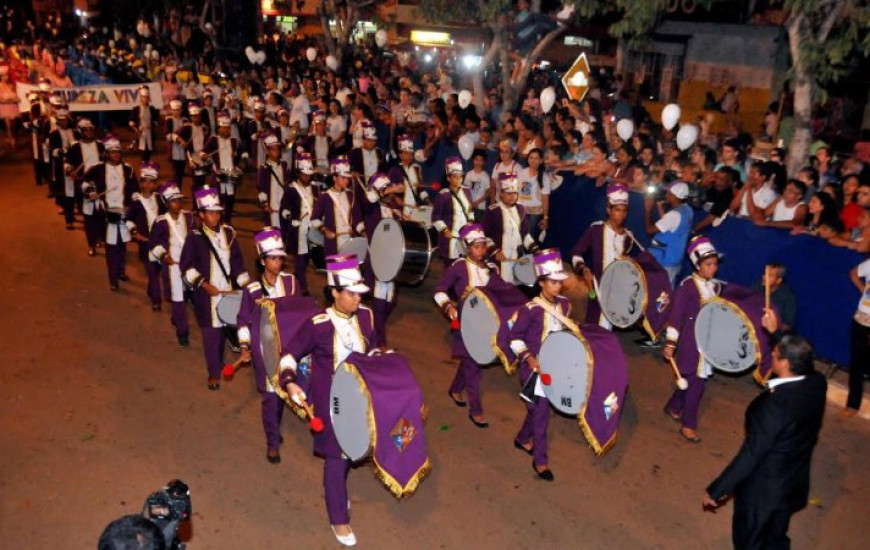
{"type": "Point", "coordinates": [344, 540]}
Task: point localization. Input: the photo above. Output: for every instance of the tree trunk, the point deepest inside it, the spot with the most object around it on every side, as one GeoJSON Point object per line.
{"type": "Point", "coordinates": [799, 147]}
{"type": "Point", "coordinates": [492, 52]}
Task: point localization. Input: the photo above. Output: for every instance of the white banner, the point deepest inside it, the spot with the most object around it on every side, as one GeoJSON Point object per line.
{"type": "Point", "coordinates": [96, 98]}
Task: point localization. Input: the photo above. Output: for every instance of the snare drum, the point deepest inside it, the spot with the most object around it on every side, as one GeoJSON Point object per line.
{"type": "Point", "coordinates": [727, 336]}
{"type": "Point", "coordinates": [524, 270]}
{"type": "Point", "coordinates": [376, 409]}
{"type": "Point", "coordinates": [228, 307]}
{"type": "Point", "coordinates": [483, 315]}
{"type": "Point", "coordinates": [115, 215]}
{"type": "Point", "coordinates": [401, 251]}
{"type": "Point", "coordinates": [315, 237]}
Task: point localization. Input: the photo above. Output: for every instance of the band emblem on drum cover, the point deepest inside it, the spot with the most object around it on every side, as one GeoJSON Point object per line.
{"type": "Point", "coordinates": [403, 433]}
{"type": "Point", "coordinates": [611, 405]}
{"type": "Point", "coordinates": [663, 301]}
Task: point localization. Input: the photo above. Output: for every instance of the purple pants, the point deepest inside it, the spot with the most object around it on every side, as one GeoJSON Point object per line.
{"type": "Point", "coordinates": [228, 202]}
{"type": "Point", "coordinates": [213, 340]}
{"type": "Point", "coordinates": [152, 270]}
{"type": "Point", "coordinates": [535, 429]}
{"type": "Point", "coordinates": [116, 259]}
{"type": "Point", "coordinates": [272, 412]}
{"type": "Point", "coordinates": [687, 402]}
{"type": "Point", "coordinates": [335, 489]}
{"type": "Point", "coordinates": [95, 228]}
{"type": "Point", "coordinates": [467, 379]}
{"type": "Point", "coordinates": [381, 309]}
{"type": "Point", "coordinates": [300, 269]}
{"type": "Point", "coordinates": [179, 318]}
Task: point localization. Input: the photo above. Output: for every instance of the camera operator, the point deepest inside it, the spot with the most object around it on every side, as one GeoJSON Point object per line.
{"type": "Point", "coordinates": [671, 232]}
{"type": "Point", "coordinates": [132, 532]}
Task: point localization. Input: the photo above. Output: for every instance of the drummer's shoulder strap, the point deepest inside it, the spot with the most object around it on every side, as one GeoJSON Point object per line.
{"type": "Point", "coordinates": [217, 258]}
{"type": "Point", "coordinates": [556, 312]}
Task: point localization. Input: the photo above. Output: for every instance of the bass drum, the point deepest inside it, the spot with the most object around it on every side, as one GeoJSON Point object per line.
{"type": "Point", "coordinates": [228, 307]}
{"type": "Point", "coordinates": [401, 251]}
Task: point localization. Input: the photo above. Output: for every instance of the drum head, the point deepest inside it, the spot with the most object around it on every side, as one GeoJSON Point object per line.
{"type": "Point", "coordinates": [268, 344]}
{"type": "Point", "coordinates": [387, 250]}
{"type": "Point", "coordinates": [524, 271]}
{"type": "Point", "coordinates": [566, 359]}
{"type": "Point", "coordinates": [478, 325]}
{"type": "Point", "coordinates": [356, 245]}
{"type": "Point", "coordinates": [725, 336]}
{"type": "Point", "coordinates": [315, 237]}
{"type": "Point", "coordinates": [349, 412]}
{"type": "Point", "coordinates": [228, 307]}
{"type": "Point", "coordinates": [622, 293]}
{"type": "Point", "coordinates": [422, 214]}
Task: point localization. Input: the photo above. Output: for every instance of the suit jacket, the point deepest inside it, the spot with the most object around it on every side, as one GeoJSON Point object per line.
{"type": "Point", "coordinates": [135, 116]}
{"type": "Point", "coordinates": [772, 469]}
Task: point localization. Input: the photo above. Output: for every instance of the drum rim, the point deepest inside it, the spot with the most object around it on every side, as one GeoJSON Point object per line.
{"type": "Point", "coordinates": [404, 250]}
{"type": "Point", "coordinates": [753, 334]}
{"type": "Point", "coordinates": [370, 414]}
{"type": "Point", "coordinates": [494, 338]}
{"type": "Point", "coordinates": [516, 263]}
{"type": "Point", "coordinates": [645, 293]}
{"type": "Point", "coordinates": [590, 367]}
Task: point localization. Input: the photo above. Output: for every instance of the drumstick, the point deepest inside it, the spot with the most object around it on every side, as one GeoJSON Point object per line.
{"type": "Point", "coordinates": [230, 369]}
{"type": "Point", "coordinates": [681, 382]}
{"type": "Point", "coordinates": [315, 423]}
{"type": "Point", "coordinates": [766, 288]}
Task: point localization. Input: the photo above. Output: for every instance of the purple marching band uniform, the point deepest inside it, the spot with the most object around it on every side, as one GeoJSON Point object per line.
{"type": "Point", "coordinates": [530, 328]}
{"type": "Point", "coordinates": [227, 155]}
{"type": "Point", "coordinates": [59, 141]}
{"type": "Point", "coordinates": [366, 161]}
{"type": "Point", "coordinates": [384, 293]}
{"type": "Point", "coordinates": [116, 185]}
{"type": "Point", "coordinates": [195, 135]}
{"type": "Point", "coordinates": [463, 276]}
{"type": "Point", "coordinates": [296, 208]}
{"type": "Point", "coordinates": [269, 243]}
{"type": "Point", "coordinates": [686, 302]}
{"type": "Point", "coordinates": [411, 175]}
{"type": "Point", "coordinates": [602, 245]}
{"type": "Point", "coordinates": [272, 180]}
{"type": "Point", "coordinates": [166, 241]}
{"type": "Point", "coordinates": [507, 227]}
{"type": "Point", "coordinates": [173, 125]}
{"type": "Point", "coordinates": [141, 215]}
{"type": "Point", "coordinates": [329, 338]}
{"type": "Point", "coordinates": [199, 265]}
{"type": "Point", "coordinates": [257, 129]}
{"type": "Point", "coordinates": [285, 134]}
{"type": "Point", "coordinates": [35, 121]}
{"type": "Point", "coordinates": [318, 144]}
{"type": "Point", "coordinates": [143, 120]}
{"type": "Point", "coordinates": [451, 211]}
{"type": "Point", "coordinates": [337, 211]}
{"type": "Point", "coordinates": [80, 158]}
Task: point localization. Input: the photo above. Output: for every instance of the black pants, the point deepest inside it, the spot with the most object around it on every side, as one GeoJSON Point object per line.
{"type": "Point", "coordinates": [146, 154]}
{"type": "Point", "coordinates": [859, 364]}
{"type": "Point", "coordinates": [757, 529]}
{"type": "Point", "coordinates": [68, 204]}
{"type": "Point", "coordinates": [178, 171]}
{"type": "Point", "coordinates": [39, 171]}
{"type": "Point", "coordinates": [228, 202]}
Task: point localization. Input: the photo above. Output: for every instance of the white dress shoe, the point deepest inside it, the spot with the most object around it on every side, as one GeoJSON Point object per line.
{"type": "Point", "coordinates": [344, 540]}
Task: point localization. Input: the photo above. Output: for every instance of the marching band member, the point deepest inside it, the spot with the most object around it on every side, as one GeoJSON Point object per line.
{"type": "Point", "coordinates": [286, 135]}
{"type": "Point", "coordinates": [228, 157]}
{"type": "Point", "coordinates": [381, 204]}
{"type": "Point", "coordinates": [531, 326]}
{"type": "Point", "coordinates": [35, 121]}
{"type": "Point", "coordinates": [212, 264]}
{"type": "Point", "coordinates": [113, 183]}
{"type": "Point", "coordinates": [507, 226]}
{"type": "Point", "coordinates": [603, 242]}
{"type": "Point", "coordinates": [273, 283]}
{"type": "Point", "coordinates": [140, 218]}
{"type": "Point", "coordinates": [166, 242]}
{"type": "Point", "coordinates": [686, 303]}
{"type": "Point", "coordinates": [452, 210]}
{"type": "Point", "coordinates": [208, 112]}
{"type": "Point", "coordinates": [366, 160]}
{"type": "Point", "coordinates": [59, 141]}
{"type": "Point", "coordinates": [319, 145]}
{"type": "Point", "coordinates": [172, 127]}
{"type": "Point", "coordinates": [337, 213]}
{"type": "Point", "coordinates": [258, 128]}
{"type": "Point", "coordinates": [81, 157]}
{"type": "Point", "coordinates": [463, 275]}
{"type": "Point", "coordinates": [410, 174]}
{"type": "Point", "coordinates": [297, 205]}
{"type": "Point", "coordinates": [195, 135]}
{"type": "Point", "coordinates": [329, 338]}
{"type": "Point", "coordinates": [272, 179]}
{"type": "Point", "coordinates": [143, 119]}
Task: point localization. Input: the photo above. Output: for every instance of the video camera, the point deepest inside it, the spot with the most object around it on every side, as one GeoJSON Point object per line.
{"type": "Point", "coordinates": [167, 508]}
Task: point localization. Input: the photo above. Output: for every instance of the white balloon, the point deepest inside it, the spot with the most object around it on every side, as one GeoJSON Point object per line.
{"type": "Point", "coordinates": [251, 55]}
{"type": "Point", "coordinates": [686, 136]}
{"type": "Point", "coordinates": [670, 115]}
{"type": "Point", "coordinates": [464, 98]}
{"type": "Point", "coordinates": [420, 155]}
{"type": "Point", "coordinates": [331, 62]}
{"type": "Point", "coordinates": [249, 50]}
{"type": "Point", "coordinates": [548, 98]}
{"type": "Point", "coordinates": [261, 57]}
{"type": "Point", "coordinates": [625, 129]}
{"type": "Point", "coordinates": [584, 127]}
{"type": "Point", "coordinates": [311, 54]}
{"type": "Point", "coordinates": [466, 146]}
{"type": "Point", "coordinates": [381, 38]}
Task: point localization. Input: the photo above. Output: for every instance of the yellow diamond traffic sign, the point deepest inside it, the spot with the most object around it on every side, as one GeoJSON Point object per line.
{"type": "Point", "coordinates": [576, 80]}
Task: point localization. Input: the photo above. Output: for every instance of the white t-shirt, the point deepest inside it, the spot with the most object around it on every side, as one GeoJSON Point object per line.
{"type": "Point", "coordinates": [669, 222]}
{"type": "Point", "coordinates": [478, 183]}
{"type": "Point", "coordinates": [299, 111]}
{"type": "Point", "coordinates": [783, 213]}
{"type": "Point", "coordinates": [862, 315]}
{"type": "Point", "coordinates": [335, 126]}
{"type": "Point", "coordinates": [530, 191]}
{"type": "Point", "coordinates": [762, 198]}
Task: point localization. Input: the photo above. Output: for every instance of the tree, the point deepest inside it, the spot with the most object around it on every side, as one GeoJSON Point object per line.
{"type": "Point", "coordinates": [345, 14]}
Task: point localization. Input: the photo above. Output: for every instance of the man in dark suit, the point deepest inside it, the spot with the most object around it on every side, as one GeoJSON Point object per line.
{"type": "Point", "coordinates": [770, 476]}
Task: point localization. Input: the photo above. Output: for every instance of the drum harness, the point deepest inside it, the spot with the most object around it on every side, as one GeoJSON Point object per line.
{"type": "Point", "coordinates": [218, 259]}
{"type": "Point", "coordinates": [557, 313]}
